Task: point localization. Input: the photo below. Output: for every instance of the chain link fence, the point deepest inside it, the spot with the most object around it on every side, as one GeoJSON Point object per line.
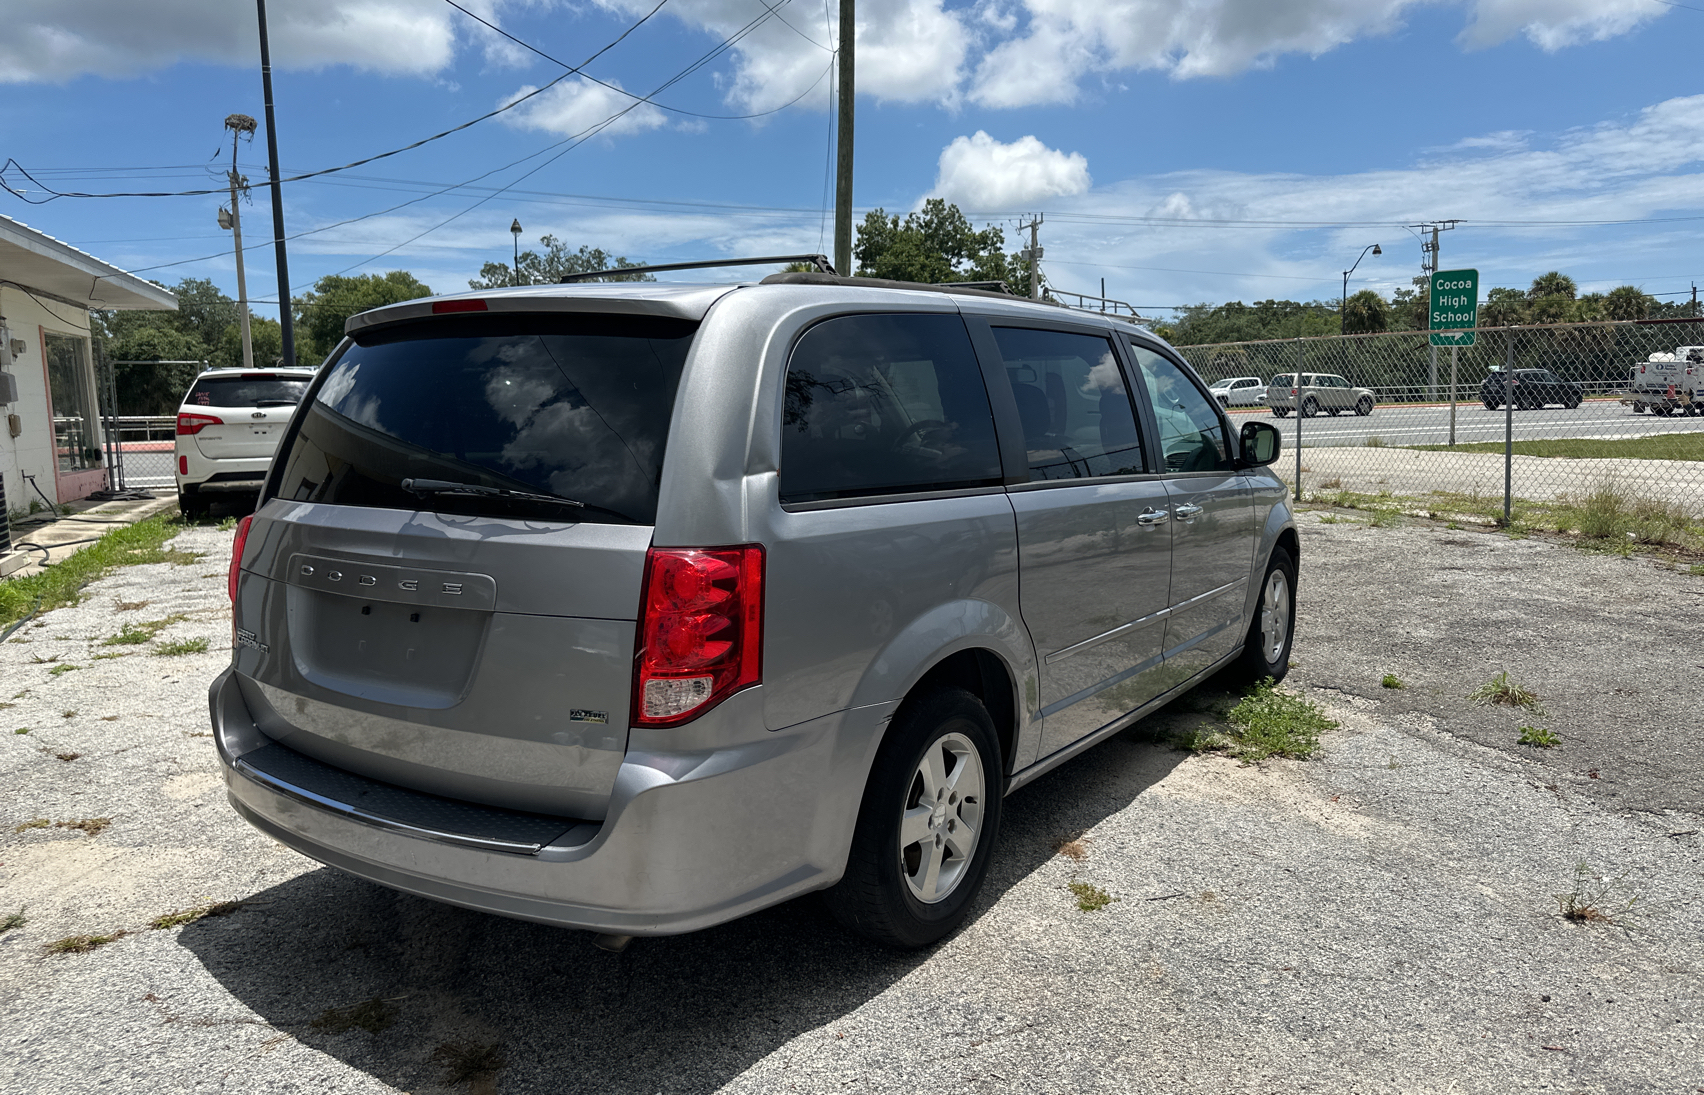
{"type": "Point", "coordinates": [1611, 412]}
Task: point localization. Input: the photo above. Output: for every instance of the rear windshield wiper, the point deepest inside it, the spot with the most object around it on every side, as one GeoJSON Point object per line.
{"type": "Point", "coordinates": [424, 487]}
{"type": "Point", "coordinates": [276, 402]}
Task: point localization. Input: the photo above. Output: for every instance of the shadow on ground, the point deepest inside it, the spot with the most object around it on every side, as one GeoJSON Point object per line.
{"type": "Point", "coordinates": [680, 1014]}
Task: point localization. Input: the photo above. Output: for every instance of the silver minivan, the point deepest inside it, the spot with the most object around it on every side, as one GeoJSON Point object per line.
{"type": "Point", "coordinates": [640, 607]}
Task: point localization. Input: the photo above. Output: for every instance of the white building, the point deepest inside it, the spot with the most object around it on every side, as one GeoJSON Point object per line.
{"type": "Point", "coordinates": [52, 428]}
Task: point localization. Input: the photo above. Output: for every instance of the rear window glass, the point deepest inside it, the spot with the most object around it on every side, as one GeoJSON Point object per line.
{"type": "Point", "coordinates": [562, 407]}
{"type": "Point", "coordinates": [885, 404]}
{"type": "Point", "coordinates": [256, 390]}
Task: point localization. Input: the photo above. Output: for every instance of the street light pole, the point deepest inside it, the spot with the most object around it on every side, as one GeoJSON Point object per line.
{"type": "Point", "coordinates": [1343, 308]}
{"type": "Point", "coordinates": [515, 230]}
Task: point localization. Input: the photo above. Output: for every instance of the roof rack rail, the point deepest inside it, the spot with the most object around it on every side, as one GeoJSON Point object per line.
{"type": "Point", "coordinates": [820, 261]}
{"type": "Point", "coordinates": [1108, 306]}
{"type": "Point", "coordinates": [985, 286]}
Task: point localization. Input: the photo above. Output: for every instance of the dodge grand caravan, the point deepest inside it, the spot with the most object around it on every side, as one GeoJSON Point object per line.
{"type": "Point", "coordinates": [640, 607]}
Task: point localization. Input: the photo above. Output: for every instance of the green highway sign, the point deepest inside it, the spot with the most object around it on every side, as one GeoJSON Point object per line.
{"type": "Point", "coordinates": [1455, 305]}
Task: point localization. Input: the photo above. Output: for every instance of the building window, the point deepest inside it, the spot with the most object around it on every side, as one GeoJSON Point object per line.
{"type": "Point", "coordinates": [71, 389]}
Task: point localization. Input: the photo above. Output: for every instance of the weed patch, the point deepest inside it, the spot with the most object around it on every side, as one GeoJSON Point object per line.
{"type": "Point", "coordinates": [21, 730]}
{"type": "Point", "coordinates": [82, 944]}
{"type": "Point", "coordinates": [1595, 900]}
{"type": "Point", "coordinates": [181, 646]}
{"type": "Point", "coordinates": [13, 920]}
{"type": "Point", "coordinates": [61, 670]}
{"type": "Point", "coordinates": [58, 585]}
{"type": "Point", "coordinates": [94, 826]}
{"type": "Point", "coordinates": [1538, 736]}
{"type": "Point", "coordinates": [37, 823]}
{"type": "Point", "coordinates": [1090, 898]}
{"type": "Point", "coordinates": [1075, 846]}
{"type": "Point", "coordinates": [1391, 680]}
{"type": "Point", "coordinates": [372, 1016]}
{"type": "Point", "coordinates": [1501, 690]}
{"type": "Point", "coordinates": [68, 757]}
{"type": "Point", "coordinates": [189, 916]}
{"type": "Point", "coordinates": [1269, 723]}
{"type": "Point", "coordinates": [1374, 442]}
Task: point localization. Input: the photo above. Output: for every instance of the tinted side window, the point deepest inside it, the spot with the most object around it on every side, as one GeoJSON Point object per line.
{"type": "Point", "coordinates": [1073, 402]}
{"type": "Point", "coordinates": [885, 405]}
{"type": "Point", "coordinates": [1191, 435]}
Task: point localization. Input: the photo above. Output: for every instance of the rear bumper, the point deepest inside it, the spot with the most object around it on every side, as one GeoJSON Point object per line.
{"type": "Point", "coordinates": [691, 839]}
{"type": "Point", "coordinates": [205, 473]}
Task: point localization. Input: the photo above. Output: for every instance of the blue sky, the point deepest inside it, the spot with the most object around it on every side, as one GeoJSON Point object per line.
{"type": "Point", "coordinates": [1185, 150]}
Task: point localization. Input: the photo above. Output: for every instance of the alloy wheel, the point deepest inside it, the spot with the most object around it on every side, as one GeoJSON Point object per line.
{"type": "Point", "coordinates": [942, 822]}
{"type": "Point", "coordinates": [1274, 616]}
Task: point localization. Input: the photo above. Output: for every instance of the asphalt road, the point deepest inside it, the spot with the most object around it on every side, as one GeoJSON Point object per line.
{"type": "Point", "coordinates": [1410, 425]}
{"type": "Point", "coordinates": [1382, 918]}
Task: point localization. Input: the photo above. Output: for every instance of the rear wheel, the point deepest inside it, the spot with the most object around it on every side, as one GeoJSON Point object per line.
{"type": "Point", "coordinates": [1491, 404]}
{"type": "Point", "coordinates": [1310, 407]}
{"type": "Point", "coordinates": [1364, 406]}
{"type": "Point", "coordinates": [1224, 403]}
{"type": "Point", "coordinates": [1573, 402]}
{"type": "Point", "coordinates": [191, 504]}
{"type": "Point", "coordinates": [1280, 412]}
{"type": "Point", "coordinates": [927, 825]}
{"type": "Point", "coordinates": [1266, 651]}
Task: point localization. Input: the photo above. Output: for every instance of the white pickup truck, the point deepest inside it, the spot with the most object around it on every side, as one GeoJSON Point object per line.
{"type": "Point", "coordinates": [1666, 383]}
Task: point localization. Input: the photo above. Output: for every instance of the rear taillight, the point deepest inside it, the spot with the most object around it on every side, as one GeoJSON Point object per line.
{"type": "Point", "coordinates": [188, 425]}
{"type": "Point", "coordinates": [700, 634]}
{"type": "Point", "coordinates": [447, 307]}
{"type": "Point", "coordinates": [237, 555]}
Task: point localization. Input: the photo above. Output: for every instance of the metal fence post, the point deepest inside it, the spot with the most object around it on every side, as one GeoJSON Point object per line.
{"type": "Point", "coordinates": [1453, 351]}
{"type": "Point", "coordinates": [1301, 358]}
{"type": "Point", "coordinates": [1508, 427]}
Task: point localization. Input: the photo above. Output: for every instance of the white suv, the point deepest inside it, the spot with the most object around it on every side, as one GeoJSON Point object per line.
{"type": "Point", "coordinates": [1239, 391]}
{"type": "Point", "coordinates": [228, 428]}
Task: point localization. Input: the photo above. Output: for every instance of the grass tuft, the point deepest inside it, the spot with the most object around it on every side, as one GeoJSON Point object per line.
{"type": "Point", "coordinates": [1075, 846]}
{"type": "Point", "coordinates": [1374, 442]}
{"type": "Point", "coordinates": [61, 670]}
{"type": "Point", "coordinates": [94, 826]}
{"type": "Point", "coordinates": [1270, 723]}
{"type": "Point", "coordinates": [1594, 900]}
{"type": "Point", "coordinates": [37, 823]}
{"type": "Point", "coordinates": [181, 646]}
{"type": "Point", "coordinates": [1539, 736]}
{"type": "Point", "coordinates": [82, 944]}
{"type": "Point", "coordinates": [1391, 680]}
{"type": "Point", "coordinates": [13, 920]}
{"type": "Point", "coordinates": [1090, 898]}
{"type": "Point", "coordinates": [1501, 690]}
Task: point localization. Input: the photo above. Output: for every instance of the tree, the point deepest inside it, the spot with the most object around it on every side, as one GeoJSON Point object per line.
{"type": "Point", "coordinates": [1552, 298]}
{"type": "Point", "coordinates": [1239, 322]}
{"type": "Point", "coordinates": [320, 315]}
{"type": "Point", "coordinates": [549, 268]}
{"type": "Point", "coordinates": [1365, 313]}
{"type": "Point", "coordinates": [1503, 308]}
{"type": "Point", "coordinates": [1627, 302]}
{"type": "Point", "coordinates": [934, 245]}
{"type": "Point", "coordinates": [1411, 308]}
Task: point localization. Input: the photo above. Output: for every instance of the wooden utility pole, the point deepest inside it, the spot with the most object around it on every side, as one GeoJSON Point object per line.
{"type": "Point", "coordinates": [843, 159]}
{"type": "Point", "coordinates": [1033, 255]}
{"type": "Point", "coordinates": [240, 124]}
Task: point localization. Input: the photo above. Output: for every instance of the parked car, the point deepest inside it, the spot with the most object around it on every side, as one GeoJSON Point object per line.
{"type": "Point", "coordinates": [1239, 391]}
{"type": "Point", "coordinates": [1534, 389]}
{"type": "Point", "coordinates": [640, 607]}
{"type": "Point", "coordinates": [1326, 392]}
{"type": "Point", "coordinates": [228, 427]}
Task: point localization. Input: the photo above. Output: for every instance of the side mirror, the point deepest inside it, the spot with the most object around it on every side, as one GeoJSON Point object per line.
{"type": "Point", "coordinates": [1260, 444]}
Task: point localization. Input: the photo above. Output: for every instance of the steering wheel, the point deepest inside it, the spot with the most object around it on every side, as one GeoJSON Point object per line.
{"type": "Point", "coordinates": [919, 428]}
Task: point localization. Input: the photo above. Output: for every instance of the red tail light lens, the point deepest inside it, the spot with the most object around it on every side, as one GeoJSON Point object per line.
{"type": "Point", "coordinates": [183, 465]}
{"type": "Point", "coordinates": [237, 546]}
{"type": "Point", "coordinates": [700, 634]}
{"type": "Point", "coordinates": [188, 425]}
{"type": "Point", "coordinates": [446, 307]}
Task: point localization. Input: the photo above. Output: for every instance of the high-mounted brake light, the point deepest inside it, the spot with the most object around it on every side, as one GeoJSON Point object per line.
{"type": "Point", "coordinates": [440, 307]}
{"type": "Point", "coordinates": [700, 635]}
{"type": "Point", "coordinates": [237, 546]}
{"type": "Point", "coordinates": [188, 425]}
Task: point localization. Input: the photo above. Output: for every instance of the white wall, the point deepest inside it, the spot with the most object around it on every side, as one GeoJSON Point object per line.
{"type": "Point", "coordinates": [32, 451]}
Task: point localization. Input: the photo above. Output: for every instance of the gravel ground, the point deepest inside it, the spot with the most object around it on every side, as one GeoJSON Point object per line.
{"type": "Point", "coordinates": [1380, 919]}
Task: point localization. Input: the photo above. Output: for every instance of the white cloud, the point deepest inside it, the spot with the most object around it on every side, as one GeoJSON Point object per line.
{"type": "Point", "coordinates": [979, 172]}
{"type": "Point", "coordinates": [576, 106]}
{"type": "Point", "coordinates": [1066, 40]}
{"type": "Point", "coordinates": [51, 41]}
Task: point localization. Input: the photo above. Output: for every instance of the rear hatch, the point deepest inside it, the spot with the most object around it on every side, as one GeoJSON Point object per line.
{"type": "Point", "coordinates": [451, 552]}
{"type": "Point", "coordinates": [252, 410]}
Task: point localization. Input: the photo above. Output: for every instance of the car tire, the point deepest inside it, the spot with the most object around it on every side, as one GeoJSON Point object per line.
{"type": "Point", "coordinates": [1266, 651]}
{"type": "Point", "coordinates": [1572, 403]}
{"type": "Point", "coordinates": [1364, 406]}
{"type": "Point", "coordinates": [892, 892]}
{"type": "Point", "coordinates": [1490, 404]}
{"type": "Point", "coordinates": [1224, 404]}
{"type": "Point", "coordinates": [191, 505]}
{"type": "Point", "coordinates": [1310, 407]}
{"type": "Point", "coordinates": [1280, 412]}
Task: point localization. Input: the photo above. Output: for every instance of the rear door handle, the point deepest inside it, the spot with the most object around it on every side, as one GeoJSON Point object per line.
{"type": "Point", "coordinates": [1152, 517]}
{"type": "Point", "coordinates": [1188, 511]}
